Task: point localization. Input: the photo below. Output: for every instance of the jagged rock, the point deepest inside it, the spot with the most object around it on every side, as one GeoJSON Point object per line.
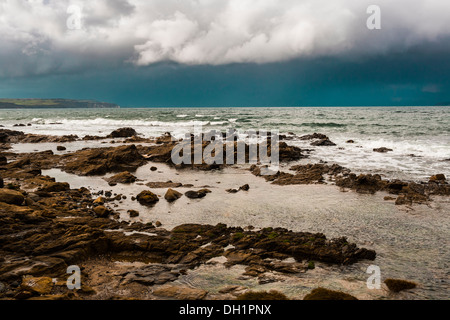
{"type": "Point", "coordinates": [167, 184]}
{"type": "Point", "coordinates": [123, 133]}
{"type": "Point", "coordinates": [99, 161]}
{"type": "Point", "coordinates": [38, 285]}
{"type": "Point", "coordinates": [180, 293]}
{"type": "Point", "coordinates": [323, 142]}
{"type": "Point", "coordinates": [55, 187]}
{"type": "Point", "coordinates": [123, 177]}
{"type": "Point", "coordinates": [172, 195]}
{"type": "Point", "coordinates": [320, 136]}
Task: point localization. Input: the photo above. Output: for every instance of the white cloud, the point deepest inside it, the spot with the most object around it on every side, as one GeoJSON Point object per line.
{"type": "Point", "coordinates": [34, 37]}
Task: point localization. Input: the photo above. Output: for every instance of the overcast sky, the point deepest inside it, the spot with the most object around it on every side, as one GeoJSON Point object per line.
{"type": "Point", "coordinates": [226, 53]}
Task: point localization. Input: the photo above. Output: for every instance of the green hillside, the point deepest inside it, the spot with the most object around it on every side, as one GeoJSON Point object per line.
{"type": "Point", "coordinates": [52, 103]}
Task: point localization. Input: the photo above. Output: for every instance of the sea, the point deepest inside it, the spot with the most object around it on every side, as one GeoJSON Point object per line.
{"type": "Point", "coordinates": [418, 136]}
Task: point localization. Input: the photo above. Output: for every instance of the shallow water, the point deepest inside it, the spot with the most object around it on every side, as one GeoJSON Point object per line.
{"type": "Point", "coordinates": [410, 243]}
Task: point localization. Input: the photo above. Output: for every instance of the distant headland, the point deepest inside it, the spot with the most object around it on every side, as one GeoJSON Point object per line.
{"type": "Point", "coordinates": [53, 104]}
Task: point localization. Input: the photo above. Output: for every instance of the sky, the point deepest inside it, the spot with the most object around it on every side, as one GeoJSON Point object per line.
{"type": "Point", "coordinates": [208, 53]}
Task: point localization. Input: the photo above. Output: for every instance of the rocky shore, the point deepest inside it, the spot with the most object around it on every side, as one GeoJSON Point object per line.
{"type": "Point", "coordinates": [46, 226]}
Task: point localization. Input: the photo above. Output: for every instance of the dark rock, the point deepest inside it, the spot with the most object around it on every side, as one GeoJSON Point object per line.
{"type": "Point", "coordinates": [147, 198]}
{"type": "Point", "coordinates": [55, 187]}
{"type": "Point", "coordinates": [123, 177]}
{"type": "Point", "coordinates": [438, 177]}
{"type": "Point", "coordinates": [123, 133]}
{"type": "Point", "coordinates": [153, 168]}
{"type": "Point", "coordinates": [382, 150]}
{"type": "Point", "coordinates": [102, 211]}
{"type": "Point", "coordinates": [11, 197]}
{"type": "Point", "coordinates": [323, 142]}
{"type": "Point", "coordinates": [133, 213]}
{"type": "Point", "coordinates": [61, 148]}
{"type": "Point", "coordinates": [99, 161]}
{"type": "Point", "coordinates": [326, 294]}
{"type": "Point", "coordinates": [172, 195]}
{"type": "Point", "coordinates": [395, 285]}
{"type": "Point", "coordinates": [167, 184]}
{"type": "Point", "coordinates": [262, 295]}
{"type": "Point", "coordinates": [197, 194]}
{"type": "Point", "coordinates": [314, 136]}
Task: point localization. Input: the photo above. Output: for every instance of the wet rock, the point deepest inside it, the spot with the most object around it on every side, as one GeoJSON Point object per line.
{"type": "Point", "coordinates": [180, 293]}
{"type": "Point", "coordinates": [160, 185]}
{"type": "Point", "coordinates": [153, 274]}
{"type": "Point", "coordinates": [326, 294]}
{"type": "Point", "coordinates": [123, 133]}
{"type": "Point", "coordinates": [396, 285]}
{"type": "Point", "coordinates": [38, 285]}
{"type": "Point", "coordinates": [133, 213]}
{"type": "Point", "coordinates": [314, 136]}
{"type": "Point", "coordinates": [197, 194]}
{"type": "Point", "coordinates": [245, 187]}
{"type": "Point", "coordinates": [102, 211]}
{"type": "Point", "coordinates": [438, 178]}
{"type": "Point", "coordinates": [289, 153]}
{"type": "Point", "coordinates": [100, 200]}
{"type": "Point", "coordinates": [382, 150]}
{"type": "Point", "coordinates": [147, 198]}
{"type": "Point", "coordinates": [172, 195]}
{"type": "Point", "coordinates": [123, 177]}
{"type": "Point", "coordinates": [55, 187]}
{"type": "Point", "coordinates": [11, 197]}
{"type": "Point", "coordinates": [323, 142]}
{"type": "Point", "coordinates": [99, 161]}
{"type": "Point", "coordinates": [263, 295]}
{"type": "Point", "coordinates": [363, 183]}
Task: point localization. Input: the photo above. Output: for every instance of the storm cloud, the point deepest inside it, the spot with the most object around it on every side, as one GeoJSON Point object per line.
{"type": "Point", "coordinates": [37, 38]}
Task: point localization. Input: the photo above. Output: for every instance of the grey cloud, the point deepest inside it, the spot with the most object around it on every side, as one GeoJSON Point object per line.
{"type": "Point", "coordinates": [35, 39]}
